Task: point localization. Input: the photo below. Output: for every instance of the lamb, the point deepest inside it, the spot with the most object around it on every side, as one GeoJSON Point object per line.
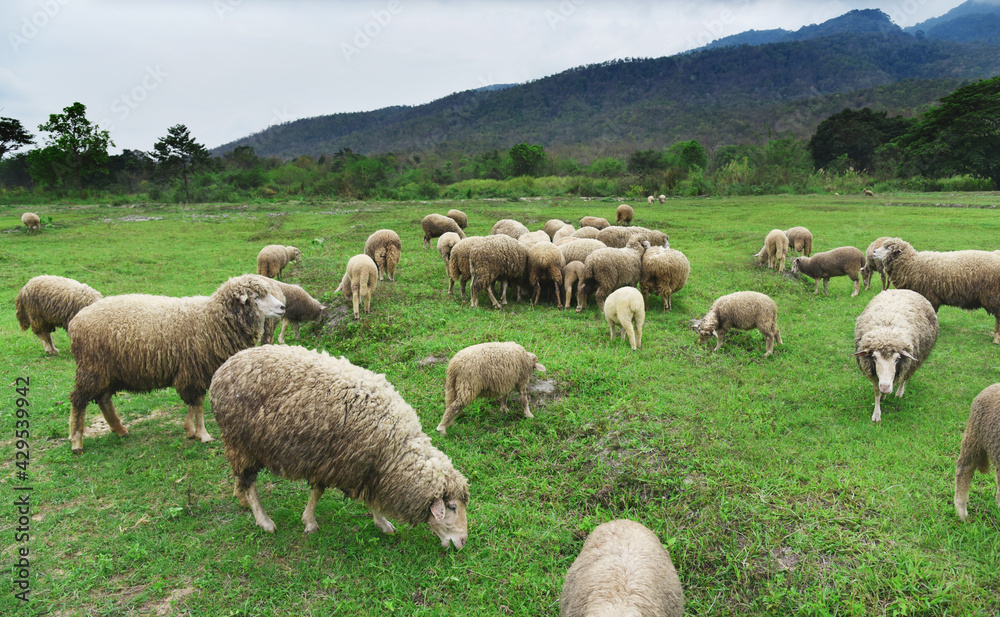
{"type": "Point", "coordinates": [800, 240]}
{"type": "Point", "coordinates": [624, 215]}
{"type": "Point", "coordinates": [496, 258]}
{"type": "Point", "coordinates": [617, 236]}
{"type": "Point", "coordinates": [434, 225]}
{"type": "Point", "coordinates": [587, 233]}
{"type": "Point", "coordinates": [305, 415]}
{"type": "Point", "coordinates": [741, 310]}
{"type": "Point", "coordinates": [385, 249]}
{"type": "Point", "coordinates": [892, 337]}
{"type": "Point", "coordinates": [966, 279]}
{"type": "Point", "coordinates": [140, 343]}
{"type": "Point", "coordinates": [664, 271]}
{"type": "Point", "coordinates": [532, 238]}
{"type": "Point", "coordinates": [446, 242]}
{"type": "Point", "coordinates": [841, 261]}
{"type": "Point", "coordinates": [663, 199]}
{"type": "Point", "coordinates": [458, 262]}
{"type": "Point", "coordinates": [980, 446]}
{"type": "Point", "coordinates": [552, 226]}
{"type": "Point", "coordinates": [273, 258]}
{"type": "Point", "coordinates": [623, 308]}
{"type": "Point", "coordinates": [31, 221]}
{"type": "Point", "coordinates": [573, 275]}
{"type": "Point", "coordinates": [360, 279]}
{"type": "Point", "coordinates": [774, 251]}
{"type": "Point", "coordinates": [459, 217]}
{"type": "Point", "coordinates": [49, 302]}
{"type": "Point", "coordinates": [545, 260]}
{"type": "Point", "coordinates": [299, 307]}
{"type": "Point", "coordinates": [622, 570]}
{"type": "Point", "coordinates": [487, 370]}
{"type": "Point", "coordinates": [594, 221]}
{"type": "Point", "coordinates": [873, 265]}
{"type": "Point", "coordinates": [610, 268]}
{"type": "Point", "coordinates": [509, 227]}
{"type": "Point", "coordinates": [565, 231]}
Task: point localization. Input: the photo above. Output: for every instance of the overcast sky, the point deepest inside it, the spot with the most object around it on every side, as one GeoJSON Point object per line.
{"type": "Point", "coordinates": [229, 68]}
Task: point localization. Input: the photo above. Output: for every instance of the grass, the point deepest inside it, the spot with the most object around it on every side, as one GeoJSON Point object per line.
{"type": "Point", "coordinates": [764, 477]}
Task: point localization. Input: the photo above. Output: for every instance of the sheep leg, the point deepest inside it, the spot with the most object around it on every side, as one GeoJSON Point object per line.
{"type": "Point", "coordinates": [769, 344]}
{"type": "Point", "coordinates": [611, 325]}
{"type": "Point", "coordinates": [503, 402]}
{"type": "Point", "coordinates": [816, 291]}
{"type": "Point", "coordinates": [489, 290]}
{"type": "Point", "coordinates": [877, 414]}
{"type": "Point", "coordinates": [826, 281]}
{"type": "Point", "coordinates": [295, 324]}
{"type": "Point", "coordinates": [368, 302]}
{"type": "Point", "coordinates": [523, 389]}
{"type": "Point", "coordinates": [382, 523]}
{"type": "Point", "coordinates": [281, 334]}
{"type": "Point", "coordinates": [968, 462]}
{"type": "Point", "coordinates": [901, 389]}
{"type": "Point", "coordinates": [629, 330]}
{"type": "Point", "coordinates": [111, 416]}
{"type": "Point", "coordinates": [600, 295]}
{"type": "Point", "coordinates": [777, 335]}
{"type": "Point", "coordinates": [639, 319]}
{"type": "Point", "coordinates": [538, 292]}
{"type": "Point", "coordinates": [450, 413]}
{"type": "Point", "coordinates": [503, 295]}
{"type": "Point", "coordinates": [885, 281]}
{"type": "Point", "coordinates": [996, 331]}
{"type": "Point", "coordinates": [355, 303]}
{"type": "Point", "coordinates": [721, 336]}
{"type": "Point", "coordinates": [645, 297]}
{"type": "Point", "coordinates": [857, 288]}
{"type": "Point", "coordinates": [194, 423]}
{"type": "Point", "coordinates": [241, 495]}
{"type": "Point", "coordinates": [77, 417]}
{"type": "Point", "coordinates": [309, 516]}
{"type": "Point", "coordinates": [558, 297]}
{"type": "Point", "coordinates": [668, 303]}
{"type": "Point", "coordinates": [46, 338]}
{"type": "Point", "coordinates": [263, 521]}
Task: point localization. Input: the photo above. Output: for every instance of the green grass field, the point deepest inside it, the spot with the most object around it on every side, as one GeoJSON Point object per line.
{"type": "Point", "coordinates": [764, 477]}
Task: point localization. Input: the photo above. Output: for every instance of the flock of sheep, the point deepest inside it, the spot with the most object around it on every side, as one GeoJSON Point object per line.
{"type": "Point", "coordinates": [305, 415]}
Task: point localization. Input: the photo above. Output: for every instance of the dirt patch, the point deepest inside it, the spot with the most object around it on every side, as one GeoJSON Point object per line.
{"type": "Point", "coordinates": [99, 426]}
{"type": "Point", "coordinates": [334, 316]}
{"type": "Point", "coordinates": [429, 360]}
{"type": "Point", "coordinates": [787, 560]}
{"type": "Point", "coordinates": [135, 218]}
{"type": "Point", "coordinates": [166, 605]}
{"type": "Point", "coordinates": [545, 391]}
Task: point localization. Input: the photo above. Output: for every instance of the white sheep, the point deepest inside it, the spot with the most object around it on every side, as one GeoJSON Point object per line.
{"type": "Point", "coordinates": [800, 240]}
{"type": "Point", "coordinates": [980, 447]}
{"type": "Point", "coordinates": [459, 217]}
{"type": "Point", "coordinates": [663, 199]}
{"type": "Point", "coordinates": [545, 261]}
{"type": "Point", "coordinates": [741, 310]}
{"type": "Point", "coordinates": [650, 199]}
{"type": "Point", "coordinates": [532, 238]}
{"type": "Point", "coordinates": [360, 280]}
{"type": "Point", "coordinates": [617, 236]}
{"type": "Point", "coordinates": [625, 308]}
{"type": "Point", "coordinates": [841, 261]}
{"type": "Point", "coordinates": [509, 227]}
{"type": "Point", "coordinates": [608, 269]}
{"type": "Point", "coordinates": [552, 226]}
{"type": "Point", "coordinates": [435, 224]}
{"type": "Point", "coordinates": [588, 233]}
{"type": "Point", "coordinates": [446, 242]}
{"type": "Point", "coordinates": [573, 273]}
{"type": "Point", "coordinates": [458, 262]}
{"type": "Point", "coordinates": [49, 302]}
{"type": "Point", "coordinates": [664, 272]}
{"type": "Point", "coordinates": [775, 250]}
{"type": "Point", "coordinates": [595, 222]}
{"type": "Point", "coordinates": [273, 258]}
{"type": "Point", "coordinates": [497, 257]}
{"type": "Point", "coordinates": [31, 221]}
{"type": "Point", "coordinates": [385, 249]}
{"type": "Point", "coordinates": [565, 231]}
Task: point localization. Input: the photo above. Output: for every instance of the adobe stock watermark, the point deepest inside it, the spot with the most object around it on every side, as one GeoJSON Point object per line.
{"type": "Point", "coordinates": [32, 24]}
{"type": "Point", "coordinates": [564, 10]}
{"type": "Point", "coordinates": [370, 30]}
{"type": "Point", "coordinates": [716, 27]}
{"type": "Point", "coordinates": [225, 7]}
{"type": "Point", "coordinates": [123, 105]}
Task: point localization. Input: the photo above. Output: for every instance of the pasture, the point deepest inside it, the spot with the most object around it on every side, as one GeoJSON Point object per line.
{"type": "Point", "coordinates": [764, 477]}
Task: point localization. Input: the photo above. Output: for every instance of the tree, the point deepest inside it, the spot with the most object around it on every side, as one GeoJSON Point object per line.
{"type": "Point", "coordinates": [13, 136]}
{"type": "Point", "coordinates": [688, 154]}
{"type": "Point", "coordinates": [178, 154]}
{"type": "Point", "coordinates": [855, 133]}
{"type": "Point", "coordinates": [643, 162]}
{"type": "Point", "coordinates": [75, 147]}
{"type": "Point", "coordinates": [526, 160]}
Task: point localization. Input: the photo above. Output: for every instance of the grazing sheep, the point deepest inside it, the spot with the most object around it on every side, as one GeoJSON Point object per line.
{"type": "Point", "coordinates": [966, 279]}
{"type": "Point", "coordinates": [663, 199]}
{"type": "Point", "coordinates": [980, 447]}
{"type": "Point", "coordinates": [841, 261]}
{"type": "Point", "coordinates": [892, 337]}
{"type": "Point", "coordinates": [573, 275]}
{"type": "Point", "coordinates": [49, 302]}
{"type": "Point", "coordinates": [509, 227]}
{"type": "Point", "coordinates": [446, 242]}
{"type": "Point", "coordinates": [868, 193]}
{"type": "Point", "coordinates": [497, 258]}
{"type": "Point", "coordinates": [487, 370]}
{"type": "Point", "coordinates": [434, 225]}
{"type": "Point", "coordinates": [617, 236]}
{"type": "Point", "coordinates": [299, 307]}
{"type": "Point", "coordinates": [304, 415]}
{"type": "Point", "coordinates": [594, 221]}
{"type": "Point", "coordinates": [800, 240]}
{"type": "Point", "coordinates": [664, 271]}
{"type": "Point", "coordinates": [624, 215]}
{"type": "Point", "coordinates": [650, 199]}
{"type": "Point", "coordinates": [273, 258]}
{"type": "Point", "coordinates": [741, 310]}
{"type": "Point", "coordinates": [458, 262]}
{"type": "Point", "coordinates": [385, 248]}
{"type": "Point", "coordinates": [622, 570]}
{"type": "Point", "coordinates": [565, 231]}
{"type": "Point", "coordinates": [608, 269]}
{"type": "Point", "coordinates": [459, 217]}
{"type": "Point", "coordinates": [775, 250]}
{"type": "Point", "coordinates": [588, 233]}
{"type": "Point", "coordinates": [360, 279]}
{"type": "Point", "coordinates": [623, 308]}
{"type": "Point", "coordinates": [545, 261]}
{"type": "Point", "coordinates": [873, 265]}
{"type": "Point", "coordinates": [31, 221]}
{"type": "Point", "coordinates": [532, 238]}
{"type": "Point", "coordinates": [270, 323]}
{"type": "Point", "coordinates": [552, 226]}
{"type": "Point", "coordinates": [139, 343]}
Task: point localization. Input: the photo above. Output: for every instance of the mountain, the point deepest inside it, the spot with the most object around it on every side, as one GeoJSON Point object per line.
{"type": "Point", "coordinates": [980, 27]}
{"type": "Point", "coordinates": [859, 21]}
{"type": "Point", "coordinates": [970, 7]}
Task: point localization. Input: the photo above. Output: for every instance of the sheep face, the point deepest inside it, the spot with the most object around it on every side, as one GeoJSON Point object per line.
{"type": "Point", "coordinates": [447, 519]}
{"type": "Point", "coordinates": [886, 367]}
{"type": "Point", "coordinates": [269, 306]}
{"type": "Point", "coordinates": [795, 265]}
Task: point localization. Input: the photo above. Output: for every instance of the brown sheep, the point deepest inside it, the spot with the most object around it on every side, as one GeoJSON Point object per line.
{"type": "Point", "coordinates": [800, 240]}
{"type": "Point", "coordinates": [873, 265]}
{"type": "Point", "coordinates": [458, 262]}
{"type": "Point", "coordinates": [509, 227]}
{"type": "Point", "coordinates": [775, 250]}
{"type": "Point", "coordinates": [434, 225]}
{"type": "Point", "coordinates": [841, 261]}
{"type": "Point", "coordinates": [608, 269]}
{"type": "Point", "coordinates": [273, 258]}
{"type": "Point", "coordinates": [594, 221]}
{"type": "Point", "coordinates": [385, 249]}
{"type": "Point", "coordinates": [664, 272]}
{"type": "Point", "coordinates": [980, 447]}
{"type": "Point", "coordinates": [459, 217]}
{"type": "Point", "coordinates": [573, 276]}
{"type": "Point", "coordinates": [740, 310]}
{"type": "Point", "coordinates": [545, 261]}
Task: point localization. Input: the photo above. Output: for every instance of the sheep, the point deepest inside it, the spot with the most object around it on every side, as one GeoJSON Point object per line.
{"type": "Point", "coordinates": [31, 221]}
{"type": "Point", "coordinates": [532, 238]}
{"type": "Point", "coordinates": [588, 233]}
{"type": "Point", "coordinates": [980, 447]}
{"type": "Point", "coordinates": [573, 275]}
{"type": "Point", "coordinates": [545, 260]}
{"type": "Point", "coordinates": [622, 570]}
{"type": "Point", "coordinates": [800, 240]}
{"type": "Point", "coordinates": [966, 279]}
{"type": "Point", "coordinates": [565, 231]}
{"type": "Point", "coordinates": [623, 308]}
{"type": "Point", "coordinates": [487, 370]}
{"type": "Point", "coordinates": [385, 248]}
{"type": "Point", "coordinates": [497, 258]}
{"type": "Point", "coordinates": [273, 258]}
{"type": "Point", "coordinates": [873, 265]}
{"type": "Point", "coordinates": [624, 215]}
{"type": "Point", "coordinates": [49, 302]}
{"type": "Point", "coordinates": [775, 250]}
{"type": "Point", "coordinates": [267, 337]}
{"type": "Point", "coordinates": [434, 225]}
{"type": "Point", "coordinates": [459, 217]}
{"type": "Point", "coordinates": [892, 337]}
{"type": "Point", "coordinates": [305, 415]}
{"type": "Point", "coordinates": [299, 307]}
{"type": "Point", "coordinates": [741, 310]}
{"type": "Point", "coordinates": [594, 221]}
{"type": "Point", "coordinates": [360, 279]}
{"type": "Point", "coordinates": [841, 261]}
{"type": "Point", "coordinates": [610, 268]}
{"type": "Point", "coordinates": [552, 226]}
{"type": "Point", "coordinates": [868, 193]}
{"type": "Point", "coordinates": [650, 199]}
{"type": "Point", "coordinates": [458, 262]}
{"type": "Point", "coordinates": [509, 227]}
{"type": "Point", "coordinates": [139, 343]}
{"type": "Point", "coordinates": [664, 272]}
{"type": "Point", "coordinates": [617, 236]}
{"type": "Point", "coordinates": [446, 242]}
{"type": "Point", "coordinates": [663, 199]}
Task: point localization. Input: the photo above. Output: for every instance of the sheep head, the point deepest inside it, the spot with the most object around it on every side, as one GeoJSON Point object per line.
{"type": "Point", "coordinates": [886, 364]}
{"type": "Point", "coordinates": [890, 250]}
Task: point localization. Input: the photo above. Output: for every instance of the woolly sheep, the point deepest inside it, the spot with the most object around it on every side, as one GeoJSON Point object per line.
{"type": "Point", "coordinates": [552, 226]}
{"type": "Point", "coordinates": [509, 227]}
{"type": "Point", "coordinates": [873, 265]}
{"type": "Point", "coordinates": [532, 238]}
{"type": "Point", "coordinates": [616, 236]}
{"type": "Point", "coordinates": [663, 199]}
{"type": "Point", "coordinates": [624, 308]}
{"type": "Point", "coordinates": [664, 272]}
{"type": "Point", "coordinates": [434, 225]}
{"type": "Point", "coordinates": [360, 279]}
{"type": "Point", "coordinates": [622, 570]}
{"type": "Point", "coordinates": [594, 221]}
{"type": "Point", "coordinates": [800, 240]}
{"type": "Point", "coordinates": [305, 415]}
{"type": "Point", "coordinates": [446, 242]}
{"type": "Point", "coordinates": [563, 232]}
{"type": "Point", "coordinates": [458, 262]}
{"type": "Point", "coordinates": [497, 258]}
{"type": "Point", "coordinates": [579, 249]}
{"type": "Point", "coordinates": [841, 261]}
{"type": "Point", "coordinates": [624, 215]}
{"type": "Point", "coordinates": [31, 221]}
{"type": "Point", "coordinates": [270, 323]}
{"type": "Point", "coordinates": [741, 310]}
{"type": "Point", "coordinates": [273, 258]}
{"type": "Point", "coordinates": [892, 337]}
{"type": "Point", "coordinates": [545, 261]}
{"type": "Point", "coordinates": [589, 233]}
{"type": "Point", "coordinates": [573, 276]}
{"type": "Point", "coordinates": [487, 370]}
{"type": "Point", "coordinates": [966, 279]}
{"type": "Point", "coordinates": [774, 251]}
{"type": "Point", "coordinates": [610, 268]}
{"type": "Point", "coordinates": [385, 249]}
{"type": "Point", "coordinates": [868, 193]}
{"type": "Point", "coordinates": [299, 307]}
{"type": "Point", "coordinates": [459, 217]}
{"type": "Point", "coordinates": [139, 343]}
{"type": "Point", "coordinates": [566, 240]}
{"type": "Point", "coordinates": [49, 302]}
{"type": "Point", "coordinates": [980, 447]}
{"type": "Point", "coordinates": [650, 199]}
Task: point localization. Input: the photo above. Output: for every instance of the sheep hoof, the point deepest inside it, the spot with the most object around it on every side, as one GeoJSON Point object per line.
{"type": "Point", "coordinates": [206, 438]}
{"type": "Point", "coordinates": [311, 527]}
{"type": "Point", "coordinates": [267, 526]}
{"type": "Point", "coordinates": [442, 429]}
{"type": "Point", "coordinates": [77, 450]}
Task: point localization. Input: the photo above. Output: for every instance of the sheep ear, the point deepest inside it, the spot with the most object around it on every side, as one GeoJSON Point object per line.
{"type": "Point", "coordinates": [437, 509]}
{"type": "Point", "coordinates": [863, 352]}
{"type": "Point", "coordinates": [539, 367]}
{"type": "Point", "coordinates": [244, 298]}
{"type": "Point", "coordinates": [906, 354]}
